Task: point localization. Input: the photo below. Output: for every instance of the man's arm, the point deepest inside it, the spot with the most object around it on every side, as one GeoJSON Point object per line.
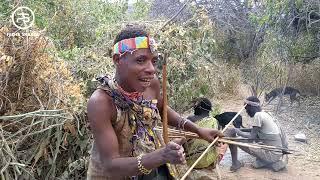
{"type": "Point", "coordinates": [208, 134]}
{"type": "Point", "coordinates": [100, 113]}
{"type": "Point", "coordinates": [252, 135]}
{"type": "Point", "coordinates": [256, 125]}
{"type": "Point", "coordinates": [174, 119]}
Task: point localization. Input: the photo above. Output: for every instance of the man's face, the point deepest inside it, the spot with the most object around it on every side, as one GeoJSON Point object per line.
{"type": "Point", "coordinates": [250, 111]}
{"type": "Point", "coordinates": [136, 70]}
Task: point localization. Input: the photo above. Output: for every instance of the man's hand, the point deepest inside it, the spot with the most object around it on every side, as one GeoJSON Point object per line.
{"type": "Point", "coordinates": [173, 152]}
{"type": "Point", "coordinates": [209, 134]}
{"type": "Point", "coordinates": [233, 131]}
{"type": "Point", "coordinates": [237, 132]}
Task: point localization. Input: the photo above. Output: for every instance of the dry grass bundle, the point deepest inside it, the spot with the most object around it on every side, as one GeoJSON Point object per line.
{"type": "Point", "coordinates": [47, 138]}
{"type": "Point", "coordinates": [31, 77]}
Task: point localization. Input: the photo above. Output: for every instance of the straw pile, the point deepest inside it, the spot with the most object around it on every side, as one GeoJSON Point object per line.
{"type": "Point", "coordinates": [41, 135]}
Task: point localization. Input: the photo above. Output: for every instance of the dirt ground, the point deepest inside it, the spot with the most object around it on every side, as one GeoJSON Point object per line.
{"type": "Point", "coordinates": [305, 162]}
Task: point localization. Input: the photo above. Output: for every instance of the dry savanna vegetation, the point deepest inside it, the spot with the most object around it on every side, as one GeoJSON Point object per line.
{"type": "Point", "coordinates": [216, 49]}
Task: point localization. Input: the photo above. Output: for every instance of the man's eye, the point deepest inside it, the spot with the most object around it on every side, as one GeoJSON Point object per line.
{"type": "Point", "coordinates": [140, 60]}
{"type": "Point", "coordinates": [155, 60]}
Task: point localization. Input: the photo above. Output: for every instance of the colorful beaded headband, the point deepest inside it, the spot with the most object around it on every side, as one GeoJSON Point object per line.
{"type": "Point", "coordinates": [130, 45]}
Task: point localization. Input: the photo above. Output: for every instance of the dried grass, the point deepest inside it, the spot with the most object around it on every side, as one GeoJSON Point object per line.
{"type": "Point", "coordinates": [39, 126]}
{"type": "Point", "coordinates": [306, 78]}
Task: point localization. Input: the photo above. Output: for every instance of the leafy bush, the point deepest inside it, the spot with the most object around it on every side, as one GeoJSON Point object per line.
{"type": "Point", "coordinates": [193, 67]}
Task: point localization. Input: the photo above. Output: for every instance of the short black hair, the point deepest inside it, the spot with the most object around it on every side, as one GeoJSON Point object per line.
{"type": "Point", "coordinates": [252, 110]}
{"type": "Point", "coordinates": [253, 99]}
{"type": "Point", "coordinates": [202, 105]}
{"type": "Point", "coordinates": [131, 31]}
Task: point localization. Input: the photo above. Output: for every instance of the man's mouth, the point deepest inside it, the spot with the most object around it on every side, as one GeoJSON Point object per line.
{"type": "Point", "coordinates": [145, 81]}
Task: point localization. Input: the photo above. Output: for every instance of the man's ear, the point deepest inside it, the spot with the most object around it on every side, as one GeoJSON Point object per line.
{"type": "Point", "coordinates": [116, 59]}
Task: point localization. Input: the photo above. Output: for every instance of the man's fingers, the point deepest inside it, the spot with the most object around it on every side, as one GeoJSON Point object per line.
{"type": "Point", "coordinates": [181, 150]}
{"type": "Point", "coordinates": [180, 141]}
{"type": "Point", "coordinates": [220, 134]}
{"type": "Point", "coordinates": [182, 160]}
{"type": "Point", "coordinates": [174, 146]}
{"type": "Point", "coordinates": [216, 133]}
{"type": "Point", "coordinates": [182, 157]}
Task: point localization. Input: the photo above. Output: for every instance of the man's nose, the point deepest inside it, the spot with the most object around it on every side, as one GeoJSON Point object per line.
{"type": "Point", "coordinates": [150, 68]}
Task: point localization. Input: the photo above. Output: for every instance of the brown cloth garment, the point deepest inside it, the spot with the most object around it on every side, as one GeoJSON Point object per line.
{"type": "Point", "coordinates": [134, 130]}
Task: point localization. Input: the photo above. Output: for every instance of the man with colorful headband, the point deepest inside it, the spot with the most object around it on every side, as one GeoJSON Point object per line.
{"type": "Point", "coordinates": [123, 112]}
{"type": "Point", "coordinates": [265, 130]}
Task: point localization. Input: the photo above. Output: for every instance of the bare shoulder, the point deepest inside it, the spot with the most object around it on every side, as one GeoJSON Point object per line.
{"type": "Point", "coordinates": [99, 95]}
{"type": "Point", "coordinates": [100, 104]}
{"type": "Point", "coordinates": [101, 113]}
{"type": "Point", "coordinates": [98, 98]}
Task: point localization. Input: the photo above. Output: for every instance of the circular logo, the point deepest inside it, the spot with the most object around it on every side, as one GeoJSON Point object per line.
{"type": "Point", "coordinates": [23, 18]}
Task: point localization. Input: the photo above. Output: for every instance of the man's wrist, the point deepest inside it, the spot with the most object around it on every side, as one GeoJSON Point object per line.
{"type": "Point", "coordinates": [193, 127]}
{"type": "Point", "coordinates": [187, 125]}
{"type": "Point", "coordinates": [161, 155]}
{"type": "Point", "coordinates": [198, 128]}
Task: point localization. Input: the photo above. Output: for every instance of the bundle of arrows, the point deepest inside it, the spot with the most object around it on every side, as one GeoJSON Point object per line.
{"type": "Point", "coordinates": [173, 133]}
